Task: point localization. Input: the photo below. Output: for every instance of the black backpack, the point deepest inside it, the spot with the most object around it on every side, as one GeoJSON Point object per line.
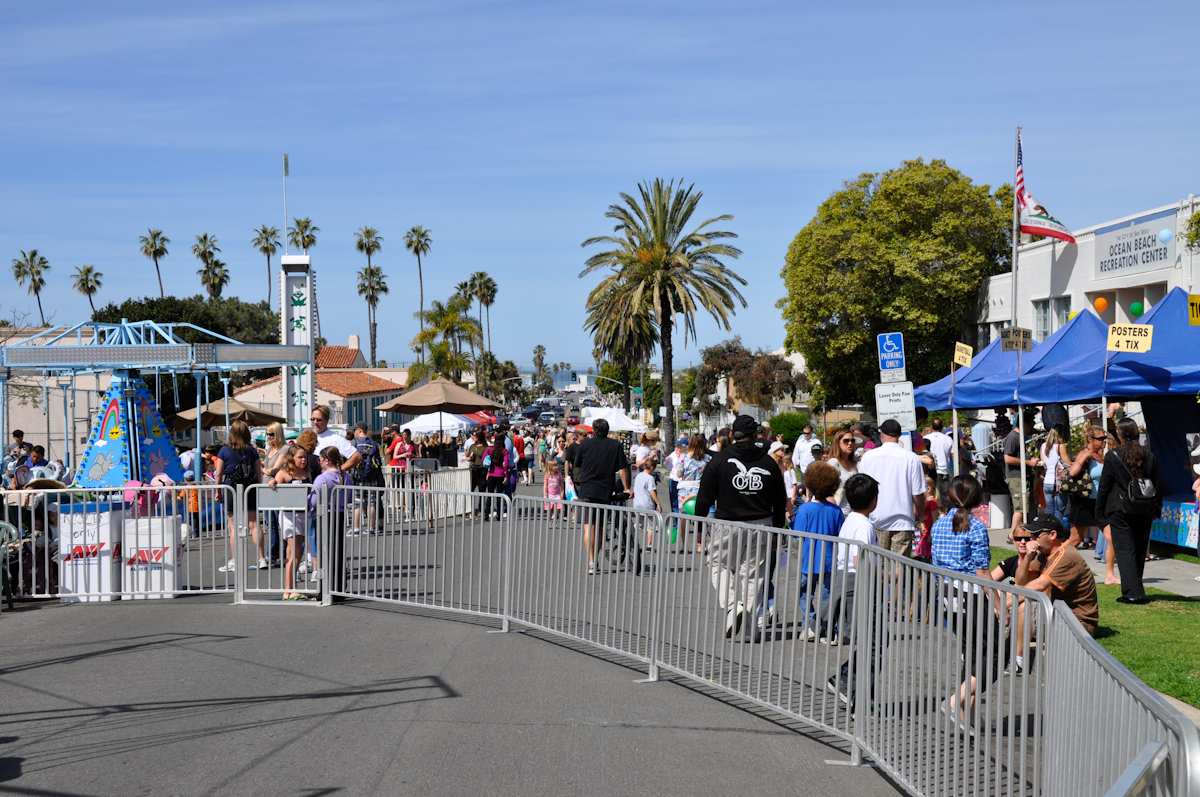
{"type": "Point", "coordinates": [1140, 496]}
{"type": "Point", "coordinates": [370, 467]}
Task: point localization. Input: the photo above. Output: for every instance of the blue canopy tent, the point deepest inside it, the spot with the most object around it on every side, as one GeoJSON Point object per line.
{"type": "Point", "coordinates": [992, 379]}
{"type": "Point", "coordinates": [1046, 378]}
{"type": "Point", "coordinates": [936, 395]}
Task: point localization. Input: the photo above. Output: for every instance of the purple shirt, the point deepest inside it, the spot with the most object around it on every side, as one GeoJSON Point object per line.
{"type": "Point", "coordinates": [327, 480]}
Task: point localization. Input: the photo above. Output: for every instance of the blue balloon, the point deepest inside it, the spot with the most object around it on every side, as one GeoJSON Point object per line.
{"type": "Point", "coordinates": [1165, 236]}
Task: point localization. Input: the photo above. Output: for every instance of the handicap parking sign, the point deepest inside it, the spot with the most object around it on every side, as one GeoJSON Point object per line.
{"type": "Point", "coordinates": [891, 351]}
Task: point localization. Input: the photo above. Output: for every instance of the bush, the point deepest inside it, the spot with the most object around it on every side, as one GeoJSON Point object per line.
{"type": "Point", "coordinates": [789, 424]}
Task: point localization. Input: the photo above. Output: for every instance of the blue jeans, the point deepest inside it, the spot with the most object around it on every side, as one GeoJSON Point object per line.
{"type": "Point", "coordinates": [814, 592]}
{"type": "Point", "coordinates": [1056, 504]}
{"type": "Point", "coordinates": [1101, 544]}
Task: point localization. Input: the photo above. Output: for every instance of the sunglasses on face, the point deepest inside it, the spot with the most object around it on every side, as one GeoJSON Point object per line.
{"type": "Point", "coordinates": [1018, 538]}
{"type": "Point", "coordinates": [1099, 439]}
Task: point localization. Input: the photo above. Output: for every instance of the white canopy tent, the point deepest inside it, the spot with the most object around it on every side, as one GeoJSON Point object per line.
{"type": "Point", "coordinates": [432, 422]}
{"type": "Point", "coordinates": [617, 420]}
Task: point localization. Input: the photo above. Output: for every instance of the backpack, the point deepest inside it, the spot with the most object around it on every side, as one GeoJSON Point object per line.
{"type": "Point", "coordinates": [370, 467]}
{"type": "Point", "coordinates": [1140, 497]}
{"type": "Point", "coordinates": [243, 472]}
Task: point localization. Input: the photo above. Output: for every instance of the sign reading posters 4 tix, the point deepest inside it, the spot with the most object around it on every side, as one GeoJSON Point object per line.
{"type": "Point", "coordinates": [1132, 338]}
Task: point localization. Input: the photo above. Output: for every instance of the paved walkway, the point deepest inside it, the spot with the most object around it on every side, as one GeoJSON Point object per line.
{"type": "Point", "coordinates": [195, 696]}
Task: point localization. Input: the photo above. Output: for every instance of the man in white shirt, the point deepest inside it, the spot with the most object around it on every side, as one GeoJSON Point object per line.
{"type": "Point", "coordinates": [802, 455]}
{"type": "Point", "coordinates": [901, 489]}
{"type": "Point", "coordinates": [941, 446]}
{"type": "Point", "coordinates": [327, 437]}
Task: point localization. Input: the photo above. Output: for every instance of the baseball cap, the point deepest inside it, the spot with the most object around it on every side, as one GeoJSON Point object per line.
{"type": "Point", "coordinates": [1045, 524]}
{"type": "Point", "coordinates": [682, 442]}
{"type": "Point", "coordinates": [817, 450]}
{"type": "Point", "coordinates": [891, 428]}
{"type": "Point", "coordinates": [776, 446]}
{"type": "Point", "coordinates": [744, 426]}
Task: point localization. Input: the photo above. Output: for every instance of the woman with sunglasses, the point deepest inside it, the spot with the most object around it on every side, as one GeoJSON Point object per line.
{"type": "Point", "coordinates": [845, 463]}
{"type": "Point", "coordinates": [1085, 515]}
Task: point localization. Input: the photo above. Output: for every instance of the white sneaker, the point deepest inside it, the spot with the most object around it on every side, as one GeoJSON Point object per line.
{"type": "Point", "coordinates": [302, 568]}
{"type": "Point", "coordinates": [228, 567]}
{"type": "Point", "coordinates": [808, 633]}
{"type": "Point", "coordinates": [263, 564]}
{"type": "Point", "coordinates": [315, 575]}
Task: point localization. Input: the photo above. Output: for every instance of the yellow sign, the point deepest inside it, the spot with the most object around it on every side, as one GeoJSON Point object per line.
{"type": "Point", "coordinates": [1131, 338]}
{"type": "Point", "coordinates": [962, 355]}
{"type": "Point", "coordinates": [1194, 309]}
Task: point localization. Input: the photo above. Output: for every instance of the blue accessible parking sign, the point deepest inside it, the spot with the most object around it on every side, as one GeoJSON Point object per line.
{"type": "Point", "coordinates": [891, 351]}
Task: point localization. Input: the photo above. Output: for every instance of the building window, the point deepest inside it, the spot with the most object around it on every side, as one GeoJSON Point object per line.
{"type": "Point", "coordinates": [1041, 319]}
{"type": "Point", "coordinates": [983, 336]}
{"type": "Point", "coordinates": [1060, 309]}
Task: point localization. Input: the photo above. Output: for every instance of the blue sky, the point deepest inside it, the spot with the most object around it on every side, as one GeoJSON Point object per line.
{"type": "Point", "coordinates": [507, 128]}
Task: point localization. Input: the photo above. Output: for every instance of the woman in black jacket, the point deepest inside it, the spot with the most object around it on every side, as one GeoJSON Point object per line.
{"type": "Point", "coordinates": [1128, 512]}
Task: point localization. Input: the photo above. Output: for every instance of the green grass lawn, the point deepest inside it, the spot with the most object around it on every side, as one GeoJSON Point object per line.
{"type": "Point", "coordinates": [1159, 641]}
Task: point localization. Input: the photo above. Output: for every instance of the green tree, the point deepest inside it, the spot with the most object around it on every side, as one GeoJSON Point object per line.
{"type": "Point", "coordinates": [87, 280]}
{"type": "Point", "coordinates": [242, 321]}
{"type": "Point", "coordinates": [465, 290]}
{"type": "Point", "coordinates": [622, 329]}
{"type": "Point", "coordinates": [29, 270]}
{"type": "Point", "coordinates": [205, 248]}
{"type": "Point", "coordinates": [154, 246]}
{"type": "Point", "coordinates": [757, 378]}
{"type": "Point", "coordinates": [790, 425]}
{"type": "Point", "coordinates": [449, 324]}
{"type": "Point", "coordinates": [418, 241]}
{"type": "Point", "coordinates": [372, 286]}
{"type": "Point", "coordinates": [540, 377]}
{"type": "Point", "coordinates": [266, 241]}
{"type": "Point", "coordinates": [1192, 231]}
{"type": "Point", "coordinates": [485, 292]}
{"type": "Point", "coordinates": [670, 269]}
{"type": "Point", "coordinates": [904, 250]}
{"type": "Point", "coordinates": [303, 234]}
{"type": "Point", "coordinates": [214, 276]}
{"type": "Point", "coordinates": [368, 241]}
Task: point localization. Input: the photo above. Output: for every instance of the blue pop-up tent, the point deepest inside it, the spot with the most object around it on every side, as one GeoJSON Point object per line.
{"type": "Point", "coordinates": [936, 395]}
{"type": "Point", "coordinates": [1047, 377]}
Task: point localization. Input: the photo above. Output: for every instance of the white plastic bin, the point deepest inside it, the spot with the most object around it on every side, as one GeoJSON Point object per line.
{"type": "Point", "coordinates": [90, 551]}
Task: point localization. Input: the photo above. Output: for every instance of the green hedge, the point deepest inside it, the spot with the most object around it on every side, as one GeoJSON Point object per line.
{"type": "Point", "coordinates": [789, 424]}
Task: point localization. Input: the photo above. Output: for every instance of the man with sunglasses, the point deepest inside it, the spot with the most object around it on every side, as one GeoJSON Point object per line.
{"type": "Point", "coordinates": [1064, 576]}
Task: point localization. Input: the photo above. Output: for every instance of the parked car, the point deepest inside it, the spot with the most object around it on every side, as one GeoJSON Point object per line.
{"type": "Point", "coordinates": [549, 418]}
{"type": "Point", "coordinates": [573, 416]}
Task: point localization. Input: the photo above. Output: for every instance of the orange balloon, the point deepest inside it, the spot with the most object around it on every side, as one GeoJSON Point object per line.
{"type": "Point", "coordinates": [1101, 304]}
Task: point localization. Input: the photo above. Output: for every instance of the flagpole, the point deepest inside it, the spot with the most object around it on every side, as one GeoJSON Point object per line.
{"type": "Point", "coordinates": [1016, 228]}
{"type": "Point", "coordinates": [1016, 240]}
{"type": "Point", "coordinates": [285, 230]}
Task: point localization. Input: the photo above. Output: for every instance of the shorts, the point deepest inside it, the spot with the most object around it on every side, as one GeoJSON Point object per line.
{"type": "Point", "coordinates": [522, 465]}
{"type": "Point", "coordinates": [289, 525]}
{"type": "Point", "coordinates": [1014, 490]}
{"type": "Point", "coordinates": [900, 542]}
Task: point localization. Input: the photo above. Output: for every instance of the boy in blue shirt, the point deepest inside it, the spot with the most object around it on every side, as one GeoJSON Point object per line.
{"type": "Point", "coordinates": [817, 516]}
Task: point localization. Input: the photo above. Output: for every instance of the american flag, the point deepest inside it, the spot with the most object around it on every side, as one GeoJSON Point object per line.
{"type": "Point", "coordinates": [1020, 191]}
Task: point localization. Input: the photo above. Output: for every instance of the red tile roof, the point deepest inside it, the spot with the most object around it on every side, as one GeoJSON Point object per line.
{"type": "Point", "coordinates": [337, 357]}
{"type": "Point", "coordinates": [339, 383]}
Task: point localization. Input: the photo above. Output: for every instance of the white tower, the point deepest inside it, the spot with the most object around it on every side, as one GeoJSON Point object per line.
{"type": "Point", "coordinates": [297, 327]}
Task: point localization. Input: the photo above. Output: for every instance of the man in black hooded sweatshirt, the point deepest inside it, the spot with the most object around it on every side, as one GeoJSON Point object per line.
{"type": "Point", "coordinates": [747, 486]}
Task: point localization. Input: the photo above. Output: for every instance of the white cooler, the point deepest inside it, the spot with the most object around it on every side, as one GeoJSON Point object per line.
{"type": "Point", "coordinates": [150, 564]}
{"type": "Point", "coordinates": [90, 551]}
{"type": "Point", "coordinates": [1000, 512]}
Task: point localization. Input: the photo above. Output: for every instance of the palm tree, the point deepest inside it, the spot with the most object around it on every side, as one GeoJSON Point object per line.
{"type": "Point", "coordinates": [465, 290]}
{"type": "Point", "coordinates": [31, 268]}
{"type": "Point", "coordinates": [539, 365]}
{"type": "Point", "coordinates": [205, 248]}
{"type": "Point", "coordinates": [446, 327]}
{"type": "Point", "coordinates": [418, 240]}
{"type": "Point", "coordinates": [154, 246]}
{"type": "Point", "coordinates": [303, 234]}
{"type": "Point", "coordinates": [622, 331]}
{"type": "Point", "coordinates": [87, 281]}
{"type": "Point", "coordinates": [668, 269]}
{"type": "Point", "coordinates": [266, 241]}
{"type": "Point", "coordinates": [485, 292]}
{"type": "Point", "coordinates": [368, 241]}
{"type": "Point", "coordinates": [372, 285]}
{"type": "Point", "coordinates": [214, 276]}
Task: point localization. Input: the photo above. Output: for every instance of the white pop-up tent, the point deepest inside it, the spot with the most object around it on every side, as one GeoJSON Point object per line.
{"type": "Point", "coordinates": [617, 420]}
{"type": "Point", "coordinates": [438, 422]}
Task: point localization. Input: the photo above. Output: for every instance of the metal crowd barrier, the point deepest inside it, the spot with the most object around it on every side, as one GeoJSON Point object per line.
{"type": "Point", "coordinates": [950, 683]}
{"type": "Point", "coordinates": [102, 545]}
{"type": "Point", "coordinates": [1105, 727]}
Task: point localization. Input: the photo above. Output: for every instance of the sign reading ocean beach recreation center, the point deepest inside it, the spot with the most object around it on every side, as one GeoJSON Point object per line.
{"type": "Point", "coordinates": [1133, 338]}
{"type": "Point", "coordinates": [1145, 243]}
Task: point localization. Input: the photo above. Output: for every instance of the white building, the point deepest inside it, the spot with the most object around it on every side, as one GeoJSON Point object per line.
{"type": "Point", "coordinates": [1133, 259]}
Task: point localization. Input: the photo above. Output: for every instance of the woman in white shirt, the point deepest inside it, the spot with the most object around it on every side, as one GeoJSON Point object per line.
{"type": "Point", "coordinates": [779, 452]}
{"type": "Point", "coordinates": [1057, 460]}
{"type": "Point", "coordinates": [846, 464]}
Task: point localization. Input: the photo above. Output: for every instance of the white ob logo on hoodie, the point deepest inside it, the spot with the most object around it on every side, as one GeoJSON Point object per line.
{"type": "Point", "coordinates": [748, 480]}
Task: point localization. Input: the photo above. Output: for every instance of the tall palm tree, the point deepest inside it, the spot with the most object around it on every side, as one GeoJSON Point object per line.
{"type": "Point", "coordinates": [368, 241]}
{"type": "Point", "coordinates": [372, 285]}
{"type": "Point", "coordinates": [87, 281]}
{"type": "Point", "coordinates": [214, 276]}
{"type": "Point", "coordinates": [154, 246]}
{"type": "Point", "coordinates": [418, 240]}
{"type": "Point", "coordinates": [622, 332]}
{"type": "Point", "coordinates": [206, 247]}
{"type": "Point", "coordinates": [539, 364]}
{"type": "Point", "coordinates": [465, 290]}
{"type": "Point", "coordinates": [668, 268]}
{"type": "Point", "coordinates": [303, 234]}
{"type": "Point", "coordinates": [449, 325]}
{"type": "Point", "coordinates": [266, 241]}
{"type": "Point", "coordinates": [485, 292]}
{"type": "Point", "coordinates": [29, 270]}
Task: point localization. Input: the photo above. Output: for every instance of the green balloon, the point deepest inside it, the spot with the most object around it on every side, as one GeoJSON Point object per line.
{"type": "Point", "coordinates": [1137, 308]}
{"type": "Point", "coordinates": [689, 506]}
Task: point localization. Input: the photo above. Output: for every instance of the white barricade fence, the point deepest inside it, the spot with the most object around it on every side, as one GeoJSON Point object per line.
{"type": "Point", "coordinates": [280, 554]}
{"type": "Point", "coordinates": [606, 604]}
{"type": "Point", "coordinates": [100, 545]}
{"type": "Point", "coordinates": [443, 551]}
{"type": "Point", "coordinates": [1108, 732]}
{"type": "Point", "coordinates": [408, 485]}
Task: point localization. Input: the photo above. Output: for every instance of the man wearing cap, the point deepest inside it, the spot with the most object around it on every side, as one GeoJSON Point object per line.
{"type": "Point", "coordinates": [1065, 576]}
{"type": "Point", "coordinates": [746, 485]}
{"type": "Point", "coordinates": [901, 489]}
